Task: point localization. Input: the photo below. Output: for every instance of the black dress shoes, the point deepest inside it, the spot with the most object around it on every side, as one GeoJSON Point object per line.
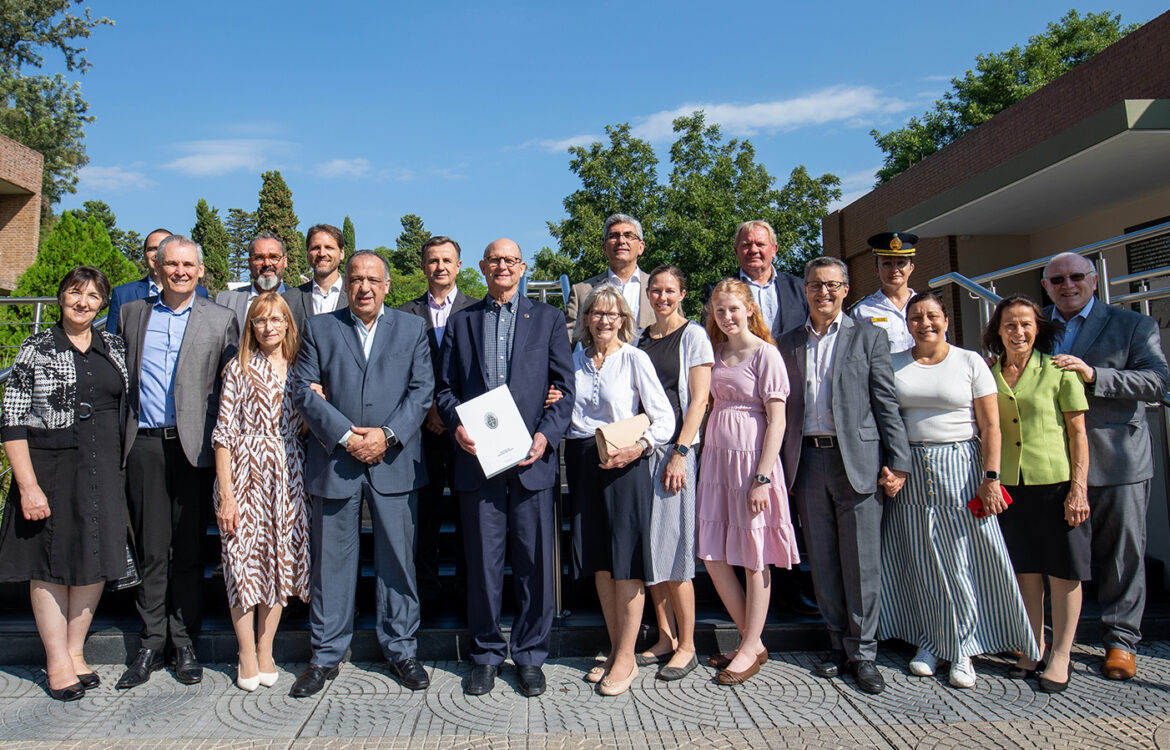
{"type": "Point", "coordinates": [186, 666]}
{"type": "Point", "coordinates": [411, 674]}
{"type": "Point", "coordinates": [74, 692]}
{"type": "Point", "coordinates": [311, 681]}
{"type": "Point", "coordinates": [531, 679]}
{"type": "Point", "coordinates": [481, 679]}
{"type": "Point", "coordinates": [833, 665]}
{"type": "Point", "coordinates": [868, 677]}
{"type": "Point", "coordinates": [147, 660]}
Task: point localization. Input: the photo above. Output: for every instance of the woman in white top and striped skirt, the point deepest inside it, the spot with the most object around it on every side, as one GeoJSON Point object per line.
{"type": "Point", "coordinates": [947, 582]}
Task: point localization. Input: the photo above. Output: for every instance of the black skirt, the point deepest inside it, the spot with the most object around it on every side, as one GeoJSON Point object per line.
{"type": "Point", "coordinates": [610, 509]}
{"type": "Point", "coordinates": [1038, 538]}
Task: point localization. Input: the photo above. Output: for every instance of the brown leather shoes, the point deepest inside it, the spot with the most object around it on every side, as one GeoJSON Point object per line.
{"type": "Point", "coordinates": [1119, 664]}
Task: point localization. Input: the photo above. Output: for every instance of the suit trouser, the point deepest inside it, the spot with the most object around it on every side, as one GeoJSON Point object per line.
{"type": "Point", "coordinates": [842, 532]}
{"type": "Point", "coordinates": [1118, 515]}
{"type": "Point", "coordinates": [502, 511]}
{"type": "Point", "coordinates": [170, 504]}
{"type": "Point", "coordinates": [334, 540]}
{"type": "Point", "coordinates": [439, 451]}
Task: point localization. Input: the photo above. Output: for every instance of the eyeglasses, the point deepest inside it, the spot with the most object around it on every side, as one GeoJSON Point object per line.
{"type": "Point", "coordinates": [503, 261]}
{"type": "Point", "coordinates": [1075, 278]}
{"type": "Point", "coordinates": [831, 286]}
{"type": "Point", "coordinates": [627, 236]}
{"type": "Point", "coordinates": [278, 321]}
{"type": "Point", "coordinates": [608, 317]}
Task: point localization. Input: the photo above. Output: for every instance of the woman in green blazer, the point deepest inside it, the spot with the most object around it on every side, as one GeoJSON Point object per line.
{"type": "Point", "coordinates": [1044, 466]}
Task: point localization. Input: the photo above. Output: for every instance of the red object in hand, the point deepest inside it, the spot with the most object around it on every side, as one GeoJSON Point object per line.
{"type": "Point", "coordinates": [976, 503]}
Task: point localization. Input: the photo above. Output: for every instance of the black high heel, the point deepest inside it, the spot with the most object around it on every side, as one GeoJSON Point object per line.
{"type": "Point", "coordinates": [1019, 673]}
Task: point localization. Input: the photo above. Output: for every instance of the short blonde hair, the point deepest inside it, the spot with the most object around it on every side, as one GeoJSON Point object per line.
{"type": "Point", "coordinates": [604, 293]}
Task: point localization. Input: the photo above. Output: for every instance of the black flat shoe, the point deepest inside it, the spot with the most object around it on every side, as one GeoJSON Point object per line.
{"type": "Point", "coordinates": [531, 679]}
{"type": "Point", "coordinates": [89, 680]}
{"type": "Point", "coordinates": [833, 665]}
{"type": "Point", "coordinates": [186, 666]}
{"type": "Point", "coordinates": [146, 662]}
{"type": "Point", "coordinates": [74, 692]}
{"type": "Point", "coordinates": [311, 681]}
{"type": "Point", "coordinates": [1019, 673]}
{"type": "Point", "coordinates": [481, 679]}
{"type": "Point", "coordinates": [642, 660]}
{"type": "Point", "coordinates": [1052, 686]}
{"type": "Point", "coordinates": [411, 674]}
{"type": "Point", "coordinates": [868, 677]}
{"type": "Point", "coordinates": [670, 674]}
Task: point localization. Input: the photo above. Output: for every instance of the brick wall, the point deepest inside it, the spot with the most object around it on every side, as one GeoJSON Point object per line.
{"type": "Point", "coordinates": [20, 212]}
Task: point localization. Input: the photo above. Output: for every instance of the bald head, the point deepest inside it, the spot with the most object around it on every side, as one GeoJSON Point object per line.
{"type": "Point", "coordinates": [1070, 281]}
{"type": "Point", "coordinates": [503, 267]}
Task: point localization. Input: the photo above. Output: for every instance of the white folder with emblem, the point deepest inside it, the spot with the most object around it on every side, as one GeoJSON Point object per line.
{"type": "Point", "coordinates": [501, 438]}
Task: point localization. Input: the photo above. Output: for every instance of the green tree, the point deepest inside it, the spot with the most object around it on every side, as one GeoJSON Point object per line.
{"type": "Point", "coordinates": [210, 233]}
{"type": "Point", "coordinates": [999, 80]}
{"type": "Point", "coordinates": [127, 242]}
{"type": "Point", "coordinates": [618, 177]}
{"type": "Point", "coordinates": [407, 254]}
{"type": "Point", "coordinates": [275, 214]}
{"type": "Point", "coordinates": [347, 234]}
{"type": "Point", "coordinates": [46, 112]}
{"type": "Point", "coordinates": [405, 286]}
{"type": "Point", "coordinates": [241, 228]}
{"type": "Point", "coordinates": [549, 264]}
{"type": "Point", "coordinates": [469, 281]}
{"type": "Point", "coordinates": [71, 243]}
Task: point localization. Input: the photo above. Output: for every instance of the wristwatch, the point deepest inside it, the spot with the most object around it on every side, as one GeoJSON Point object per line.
{"type": "Point", "coordinates": [763, 479]}
{"type": "Point", "coordinates": [682, 450]}
{"type": "Point", "coordinates": [991, 475]}
{"type": "Point", "coordinates": [646, 446]}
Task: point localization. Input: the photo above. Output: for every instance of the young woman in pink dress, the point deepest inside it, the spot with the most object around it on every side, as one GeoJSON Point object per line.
{"type": "Point", "coordinates": [742, 506]}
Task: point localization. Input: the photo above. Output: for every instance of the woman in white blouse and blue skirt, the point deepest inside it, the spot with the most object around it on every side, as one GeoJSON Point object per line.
{"type": "Point", "coordinates": [611, 502]}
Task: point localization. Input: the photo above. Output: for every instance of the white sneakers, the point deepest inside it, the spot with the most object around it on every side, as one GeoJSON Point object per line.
{"type": "Point", "coordinates": [962, 673]}
{"type": "Point", "coordinates": [923, 664]}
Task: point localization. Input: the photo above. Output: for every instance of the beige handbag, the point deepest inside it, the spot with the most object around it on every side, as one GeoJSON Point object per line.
{"type": "Point", "coordinates": [619, 435]}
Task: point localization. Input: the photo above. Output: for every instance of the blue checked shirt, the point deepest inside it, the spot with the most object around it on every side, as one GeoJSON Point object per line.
{"type": "Point", "coordinates": [499, 329]}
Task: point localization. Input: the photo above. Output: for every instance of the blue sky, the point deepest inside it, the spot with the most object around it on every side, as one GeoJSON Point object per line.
{"type": "Point", "coordinates": [461, 112]}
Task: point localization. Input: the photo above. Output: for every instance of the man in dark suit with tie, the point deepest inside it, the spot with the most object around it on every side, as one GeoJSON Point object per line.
{"type": "Point", "coordinates": [176, 347]}
{"type": "Point", "coordinates": [1118, 355]}
{"type": "Point", "coordinates": [325, 249]}
{"type": "Point", "coordinates": [441, 263]}
{"type": "Point", "coordinates": [508, 340]}
{"type": "Point", "coordinates": [844, 445]}
{"type": "Point", "coordinates": [147, 286]}
{"type": "Point", "coordinates": [373, 367]}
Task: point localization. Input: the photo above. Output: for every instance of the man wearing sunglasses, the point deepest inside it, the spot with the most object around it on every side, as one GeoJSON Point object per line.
{"type": "Point", "coordinates": [1118, 355]}
{"type": "Point", "coordinates": [886, 308]}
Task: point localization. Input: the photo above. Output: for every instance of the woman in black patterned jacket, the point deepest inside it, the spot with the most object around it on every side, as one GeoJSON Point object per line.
{"type": "Point", "coordinates": [64, 524]}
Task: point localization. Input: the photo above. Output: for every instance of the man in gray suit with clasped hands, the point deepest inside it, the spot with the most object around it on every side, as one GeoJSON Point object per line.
{"type": "Point", "coordinates": [372, 366]}
{"type": "Point", "coordinates": [845, 444]}
{"type": "Point", "coordinates": [1118, 355]}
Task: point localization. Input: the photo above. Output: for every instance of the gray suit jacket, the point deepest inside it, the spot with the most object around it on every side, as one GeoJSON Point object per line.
{"type": "Point", "coordinates": [393, 389]}
{"type": "Point", "coordinates": [865, 406]}
{"type": "Point", "coordinates": [211, 339]}
{"type": "Point", "coordinates": [300, 302]}
{"type": "Point", "coordinates": [1124, 347]}
{"type": "Point", "coordinates": [237, 301]}
{"type": "Point", "coordinates": [582, 290]}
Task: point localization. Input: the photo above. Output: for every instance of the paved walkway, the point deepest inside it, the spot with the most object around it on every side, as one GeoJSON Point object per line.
{"type": "Point", "coordinates": [785, 705]}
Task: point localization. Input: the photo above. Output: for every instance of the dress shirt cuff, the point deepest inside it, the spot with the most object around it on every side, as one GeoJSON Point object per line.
{"type": "Point", "coordinates": [344, 442]}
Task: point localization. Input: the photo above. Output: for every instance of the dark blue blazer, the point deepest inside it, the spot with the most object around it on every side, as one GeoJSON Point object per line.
{"type": "Point", "coordinates": [540, 357]}
{"type": "Point", "coordinates": [393, 389]}
{"type": "Point", "coordinates": [130, 291]}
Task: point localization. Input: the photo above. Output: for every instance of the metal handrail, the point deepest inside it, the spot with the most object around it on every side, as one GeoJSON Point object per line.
{"type": "Point", "coordinates": [1142, 276]}
{"type": "Point", "coordinates": [546, 287]}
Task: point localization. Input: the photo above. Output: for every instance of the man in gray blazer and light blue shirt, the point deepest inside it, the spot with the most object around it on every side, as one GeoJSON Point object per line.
{"type": "Point", "coordinates": [325, 292]}
{"type": "Point", "coordinates": [373, 368]}
{"type": "Point", "coordinates": [623, 243]}
{"type": "Point", "coordinates": [1118, 355]}
{"type": "Point", "coordinates": [176, 347]}
{"type": "Point", "coordinates": [266, 264]}
{"type": "Point", "coordinates": [844, 445]}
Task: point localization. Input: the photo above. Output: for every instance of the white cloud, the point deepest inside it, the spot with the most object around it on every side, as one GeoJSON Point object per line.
{"type": "Point", "coordinates": [837, 103]}
{"type": "Point", "coordinates": [864, 178]}
{"type": "Point", "coordinates": [212, 158]}
{"type": "Point", "coordinates": [556, 145]}
{"type": "Point", "coordinates": [444, 173]}
{"type": "Point", "coordinates": [113, 178]}
{"type": "Point", "coordinates": [343, 168]}
{"type": "Point", "coordinates": [397, 174]}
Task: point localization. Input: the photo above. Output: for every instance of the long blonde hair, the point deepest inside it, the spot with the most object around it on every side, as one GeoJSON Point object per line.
{"type": "Point", "coordinates": [265, 304]}
{"type": "Point", "coordinates": [735, 288]}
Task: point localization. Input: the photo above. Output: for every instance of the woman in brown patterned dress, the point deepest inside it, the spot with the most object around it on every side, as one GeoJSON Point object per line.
{"type": "Point", "coordinates": [260, 501]}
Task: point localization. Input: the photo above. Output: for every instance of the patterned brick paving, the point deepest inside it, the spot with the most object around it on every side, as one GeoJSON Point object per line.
{"type": "Point", "coordinates": [786, 705]}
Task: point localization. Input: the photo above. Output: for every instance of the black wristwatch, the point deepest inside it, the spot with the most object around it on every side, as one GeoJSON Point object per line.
{"type": "Point", "coordinates": [991, 475]}
{"type": "Point", "coordinates": [682, 450]}
{"type": "Point", "coordinates": [763, 479]}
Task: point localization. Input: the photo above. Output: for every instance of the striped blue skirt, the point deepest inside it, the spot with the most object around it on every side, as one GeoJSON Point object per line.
{"type": "Point", "coordinates": [947, 581]}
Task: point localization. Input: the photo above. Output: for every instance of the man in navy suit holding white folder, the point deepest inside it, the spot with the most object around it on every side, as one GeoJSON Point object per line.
{"type": "Point", "coordinates": [508, 339]}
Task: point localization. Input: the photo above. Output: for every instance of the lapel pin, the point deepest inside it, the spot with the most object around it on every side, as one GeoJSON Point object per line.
{"type": "Point", "coordinates": [526, 315]}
